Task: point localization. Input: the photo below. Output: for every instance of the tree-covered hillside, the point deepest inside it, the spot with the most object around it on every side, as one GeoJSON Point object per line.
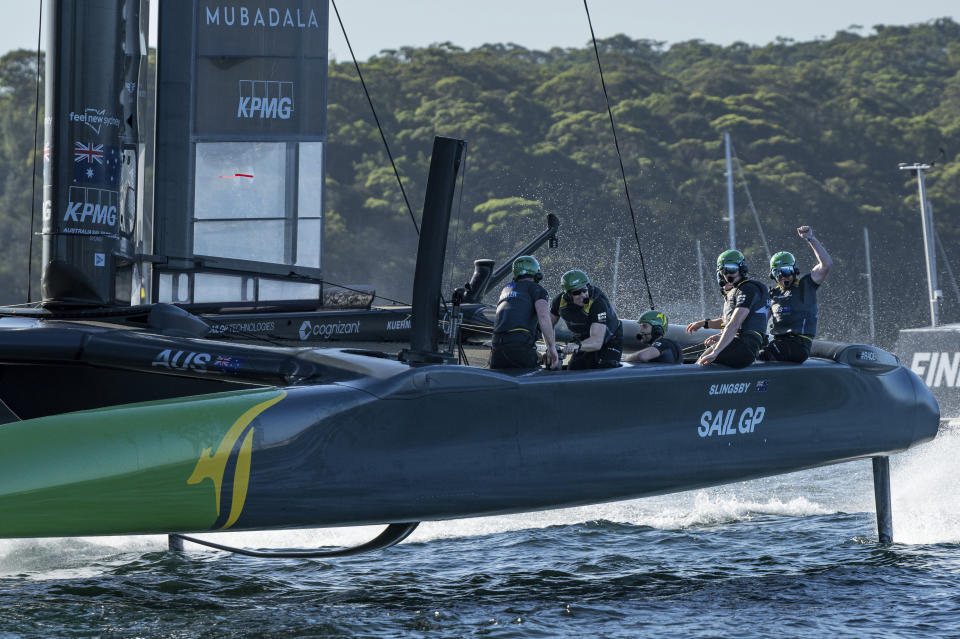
{"type": "Point", "coordinates": [818, 128]}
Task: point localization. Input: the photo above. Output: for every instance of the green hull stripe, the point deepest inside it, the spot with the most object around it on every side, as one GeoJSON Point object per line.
{"type": "Point", "coordinates": [125, 469]}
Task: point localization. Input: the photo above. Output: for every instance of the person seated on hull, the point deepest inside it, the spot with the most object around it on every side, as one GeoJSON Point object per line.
{"type": "Point", "coordinates": [656, 349]}
{"type": "Point", "coordinates": [522, 313]}
{"type": "Point", "coordinates": [794, 303]}
{"type": "Point", "coordinates": [591, 318]}
{"type": "Point", "coordinates": [746, 305]}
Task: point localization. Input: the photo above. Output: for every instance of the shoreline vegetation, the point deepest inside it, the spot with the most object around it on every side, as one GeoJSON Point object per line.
{"type": "Point", "coordinates": [818, 128]}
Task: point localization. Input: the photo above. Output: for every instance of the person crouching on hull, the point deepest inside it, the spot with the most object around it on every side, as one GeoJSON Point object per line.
{"type": "Point", "coordinates": [744, 322]}
{"type": "Point", "coordinates": [794, 303]}
{"type": "Point", "coordinates": [522, 312]}
{"type": "Point", "coordinates": [590, 317]}
{"type": "Point", "coordinates": [656, 349]}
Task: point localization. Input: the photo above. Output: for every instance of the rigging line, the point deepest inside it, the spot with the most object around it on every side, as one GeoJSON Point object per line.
{"type": "Point", "coordinates": [33, 184]}
{"type": "Point", "coordinates": [463, 174]}
{"type": "Point", "coordinates": [479, 328]}
{"type": "Point", "coordinates": [616, 143]}
{"type": "Point", "coordinates": [946, 262]}
{"type": "Point", "coordinates": [746, 187]}
{"type": "Point", "coordinates": [22, 305]}
{"type": "Point", "coordinates": [456, 234]}
{"type": "Point", "coordinates": [374, 111]}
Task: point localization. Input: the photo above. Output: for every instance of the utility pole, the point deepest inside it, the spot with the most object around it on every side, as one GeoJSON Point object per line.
{"type": "Point", "coordinates": [616, 273]}
{"type": "Point", "coordinates": [934, 292]}
{"type": "Point", "coordinates": [703, 299]}
{"type": "Point", "coordinates": [869, 276]}
{"type": "Point", "coordinates": [733, 228]}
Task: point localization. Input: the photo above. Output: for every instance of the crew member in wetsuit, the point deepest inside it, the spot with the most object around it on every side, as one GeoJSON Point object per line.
{"type": "Point", "coordinates": [590, 317]}
{"type": "Point", "coordinates": [656, 349]}
{"type": "Point", "coordinates": [794, 303]}
{"type": "Point", "coordinates": [522, 312]}
{"type": "Point", "coordinates": [744, 322]}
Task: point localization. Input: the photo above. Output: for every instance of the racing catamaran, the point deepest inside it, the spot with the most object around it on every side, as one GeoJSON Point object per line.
{"type": "Point", "coordinates": [135, 420]}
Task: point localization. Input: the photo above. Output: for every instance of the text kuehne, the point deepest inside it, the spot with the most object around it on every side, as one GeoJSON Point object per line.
{"type": "Point", "coordinates": [729, 422]}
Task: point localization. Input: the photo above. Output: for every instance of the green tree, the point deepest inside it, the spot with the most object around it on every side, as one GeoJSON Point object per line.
{"type": "Point", "coordinates": [18, 157]}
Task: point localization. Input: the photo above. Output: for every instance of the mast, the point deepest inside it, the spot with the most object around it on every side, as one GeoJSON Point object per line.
{"type": "Point", "coordinates": [432, 249]}
{"type": "Point", "coordinates": [733, 228]}
{"type": "Point", "coordinates": [933, 291]}
{"type": "Point", "coordinates": [94, 56]}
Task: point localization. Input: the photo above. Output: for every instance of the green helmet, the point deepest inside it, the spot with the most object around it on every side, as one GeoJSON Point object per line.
{"type": "Point", "coordinates": [654, 318]}
{"type": "Point", "coordinates": [657, 320]}
{"type": "Point", "coordinates": [573, 280]}
{"type": "Point", "coordinates": [730, 262]}
{"type": "Point", "coordinates": [783, 263]}
{"type": "Point", "coordinates": [732, 257]}
{"type": "Point", "coordinates": [525, 265]}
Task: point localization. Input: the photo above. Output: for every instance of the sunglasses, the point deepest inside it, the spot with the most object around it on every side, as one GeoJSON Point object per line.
{"type": "Point", "coordinates": [783, 271]}
{"type": "Point", "coordinates": [579, 291]}
{"type": "Point", "coordinates": [730, 268]}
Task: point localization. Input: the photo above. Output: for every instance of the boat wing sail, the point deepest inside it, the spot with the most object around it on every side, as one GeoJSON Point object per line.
{"type": "Point", "coordinates": [93, 150]}
{"type": "Point", "coordinates": [241, 130]}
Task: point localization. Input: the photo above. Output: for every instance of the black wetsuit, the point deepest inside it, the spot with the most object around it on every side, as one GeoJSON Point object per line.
{"type": "Point", "coordinates": [669, 351]}
{"type": "Point", "coordinates": [517, 328]}
{"type": "Point", "coordinates": [794, 321]}
{"type": "Point", "coordinates": [597, 310]}
{"type": "Point", "coordinates": [745, 347]}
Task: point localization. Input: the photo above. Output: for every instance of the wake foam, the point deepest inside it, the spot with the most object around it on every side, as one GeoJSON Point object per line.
{"type": "Point", "coordinates": [926, 492]}
{"type": "Point", "coordinates": [56, 557]}
{"type": "Point", "coordinates": [846, 487]}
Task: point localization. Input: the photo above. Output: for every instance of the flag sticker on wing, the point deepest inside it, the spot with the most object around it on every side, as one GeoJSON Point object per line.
{"type": "Point", "coordinates": [96, 163]}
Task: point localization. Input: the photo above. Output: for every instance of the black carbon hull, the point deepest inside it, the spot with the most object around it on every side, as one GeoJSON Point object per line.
{"type": "Point", "coordinates": [393, 443]}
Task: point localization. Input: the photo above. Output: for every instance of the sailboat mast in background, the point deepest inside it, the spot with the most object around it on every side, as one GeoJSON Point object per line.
{"type": "Point", "coordinates": [930, 257]}
{"type": "Point", "coordinates": [730, 216]}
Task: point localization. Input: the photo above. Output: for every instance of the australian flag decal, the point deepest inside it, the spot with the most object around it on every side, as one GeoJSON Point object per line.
{"type": "Point", "coordinates": [231, 365]}
{"type": "Point", "coordinates": [96, 163]}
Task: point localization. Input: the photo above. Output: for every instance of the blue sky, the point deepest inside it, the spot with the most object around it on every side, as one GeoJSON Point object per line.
{"type": "Point", "coordinates": [540, 24]}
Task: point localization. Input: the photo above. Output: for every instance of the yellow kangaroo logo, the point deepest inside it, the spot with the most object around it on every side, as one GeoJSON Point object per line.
{"type": "Point", "coordinates": [212, 465]}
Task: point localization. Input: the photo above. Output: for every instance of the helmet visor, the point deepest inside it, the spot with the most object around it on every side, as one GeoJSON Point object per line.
{"type": "Point", "coordinates": [783, 271]}
{"type": "Point", "coordinates": [729, 268]}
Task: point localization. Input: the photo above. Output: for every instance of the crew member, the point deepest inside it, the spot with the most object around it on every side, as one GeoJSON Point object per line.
{"type": "Point", "coordinates": [744, 321]}
{"type": "Point", "coordinates": [656, 348]}
{"type": "Point", "coordinates": [794, 303]}
{"type": "Point", "coordinates": [591, 318]}
{"type": "Point", "coordinates": [522, 312]}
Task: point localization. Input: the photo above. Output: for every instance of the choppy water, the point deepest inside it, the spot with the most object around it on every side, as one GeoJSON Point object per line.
{"type": "Point", "coordinates": [788, 556]}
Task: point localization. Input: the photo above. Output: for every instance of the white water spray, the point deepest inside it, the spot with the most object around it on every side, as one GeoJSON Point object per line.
{"type": "Point", "coordinates": [926, 491]}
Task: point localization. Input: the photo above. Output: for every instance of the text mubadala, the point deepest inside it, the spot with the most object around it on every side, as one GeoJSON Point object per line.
{"type": "Point", "coordinates": [256, 17]}
{"type": "Point", "coordinates": [727, 421]}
